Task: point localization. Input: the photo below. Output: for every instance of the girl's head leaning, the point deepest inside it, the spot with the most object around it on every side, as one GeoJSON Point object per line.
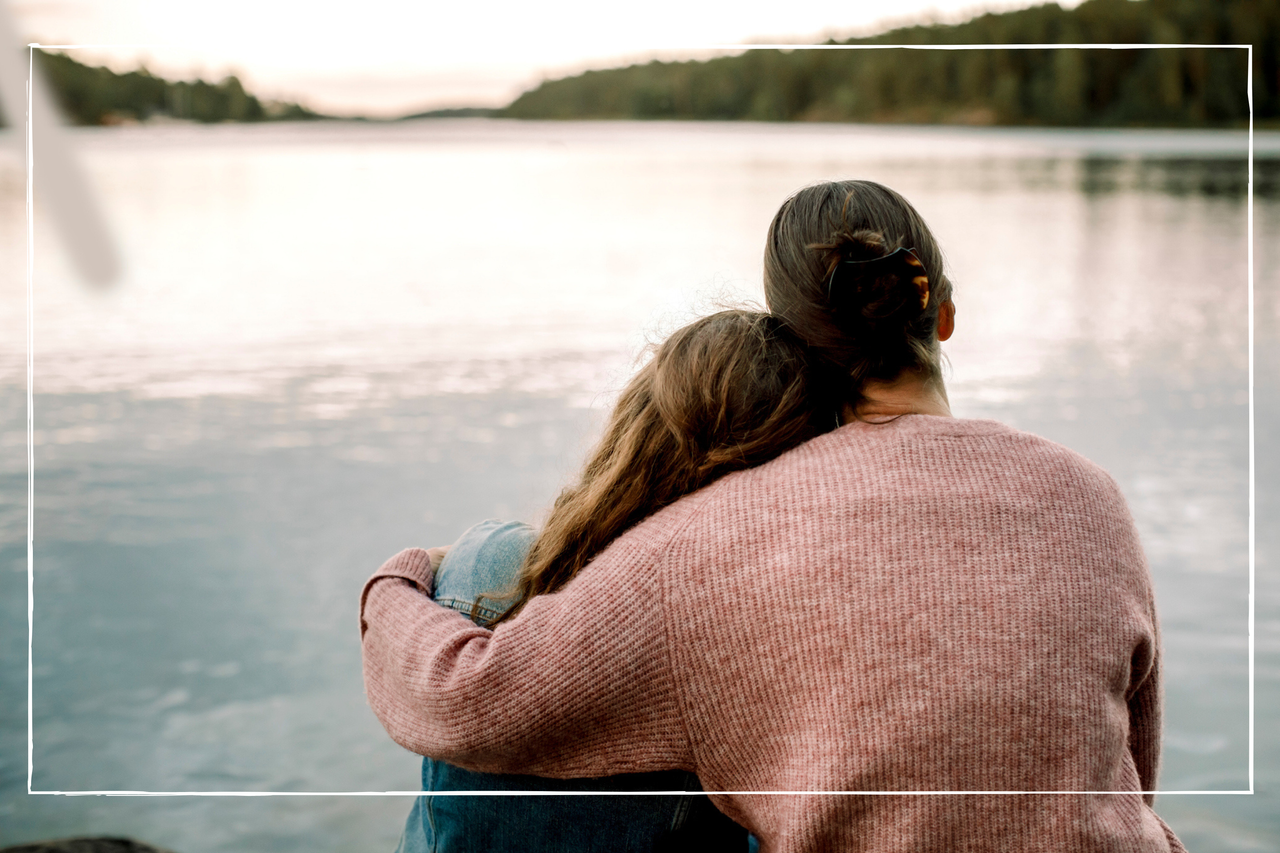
{"type": "Point", "coordinates": [867, 321]}
{"type": "Point", "coordinates": [724, 393]}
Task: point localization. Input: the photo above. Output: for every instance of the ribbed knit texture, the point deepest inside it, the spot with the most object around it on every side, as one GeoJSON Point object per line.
{"type": "Point", "coordinates": [930, 604]}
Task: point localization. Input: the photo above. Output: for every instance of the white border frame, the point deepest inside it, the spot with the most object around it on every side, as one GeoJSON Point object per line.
{"type": "Point", "coordinates": [30, 162]}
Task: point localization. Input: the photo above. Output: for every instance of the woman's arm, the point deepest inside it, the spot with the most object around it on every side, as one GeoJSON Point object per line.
{"type": "Point", "coordinates": [1145, 696]}
{"type": "Point", "coordinates": [1144, 729]}
{"type": "Point", "coordinates": [1146, 706]}
{"type": "Point", "coordinates": [579, 684]}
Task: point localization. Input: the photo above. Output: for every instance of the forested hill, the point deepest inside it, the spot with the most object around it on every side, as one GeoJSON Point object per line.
{"type": "Point", "coordinates": [92, 95]}
{"type": "Point", "coordinates": [1185, 87]}
{"type": "Point", "coordinates": [1193, 87]}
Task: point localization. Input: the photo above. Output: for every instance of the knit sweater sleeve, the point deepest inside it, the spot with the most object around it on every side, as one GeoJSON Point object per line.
{"type": "Point", "coordinates": [1145, 694]}
{"type": "Point", "coordinates": [1145, 712]}
{"type": "Point", "coordinates": [1145, 706]}
{"type": "Point", "coordinates": [578, 684]}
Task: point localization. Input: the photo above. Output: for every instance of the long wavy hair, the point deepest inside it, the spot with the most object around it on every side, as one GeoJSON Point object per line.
{"type": "Point", "coordinates": [727, 392]}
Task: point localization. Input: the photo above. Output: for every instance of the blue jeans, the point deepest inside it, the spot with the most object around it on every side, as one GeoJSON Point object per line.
{"type": "Point", "coordinates": [565, 824]}
{"type": "Point", "coordinates": [486, 560]}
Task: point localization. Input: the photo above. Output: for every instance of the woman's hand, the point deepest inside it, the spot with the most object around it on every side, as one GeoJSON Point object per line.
{"type": "Point", "coordinates": [418, 566]}
{"type": "Point", "coordinates": [436, 556]}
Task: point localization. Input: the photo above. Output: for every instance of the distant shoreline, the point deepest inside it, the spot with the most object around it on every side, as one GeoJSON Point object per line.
{"type": "Point", "coordinates": [1194, 87]}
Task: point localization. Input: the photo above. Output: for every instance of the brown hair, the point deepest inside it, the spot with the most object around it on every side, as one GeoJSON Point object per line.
{"type": "Point", "coordinates": [865, 321]}
{"type": "Point", "coordinates": [724, 393]}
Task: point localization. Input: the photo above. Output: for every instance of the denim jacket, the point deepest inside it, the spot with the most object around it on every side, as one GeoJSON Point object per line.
{"type": "Point", "coordinates": [486, 560]}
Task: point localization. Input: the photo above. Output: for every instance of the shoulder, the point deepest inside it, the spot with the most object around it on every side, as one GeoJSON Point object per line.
{"type": "Point", "coordinates": [1044, 465]}
{"type": "Point", "coordinates": [919, 455]}
{"type": "Point", "coordinates": [649, 541]}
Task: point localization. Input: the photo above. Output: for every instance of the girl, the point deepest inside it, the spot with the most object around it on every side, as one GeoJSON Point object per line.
{"type": "Point", "coordinates": [727, 392]}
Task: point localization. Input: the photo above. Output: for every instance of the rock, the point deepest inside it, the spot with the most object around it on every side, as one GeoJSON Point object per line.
{"type": "Point", "coordinates": [85, 845]}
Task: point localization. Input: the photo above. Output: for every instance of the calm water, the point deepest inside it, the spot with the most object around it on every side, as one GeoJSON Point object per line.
{"type": "Point", "coordinates": [333, 342]}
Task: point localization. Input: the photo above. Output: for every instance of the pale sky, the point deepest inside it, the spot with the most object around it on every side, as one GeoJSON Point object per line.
{"type": "Point", "coordinates": [390, 57]}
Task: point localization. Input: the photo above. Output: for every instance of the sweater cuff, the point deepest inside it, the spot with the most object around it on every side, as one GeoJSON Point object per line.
{"type": "Point", "coordinates": [412, 564]}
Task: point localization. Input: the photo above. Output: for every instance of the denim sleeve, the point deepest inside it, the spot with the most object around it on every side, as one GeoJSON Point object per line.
{"type": "Point", "coordinates": [478, 576]}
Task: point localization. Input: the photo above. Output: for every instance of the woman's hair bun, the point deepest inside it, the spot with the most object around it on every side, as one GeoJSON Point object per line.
{"type": "Point", "coordinates": [871, 282]}
{"type": "Point", "coordinates": [861, 245]}
{"type": "Point", "coordinates": [854, 271]}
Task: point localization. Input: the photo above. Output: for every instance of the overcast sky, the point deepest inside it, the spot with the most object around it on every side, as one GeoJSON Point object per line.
{"type": "Point", "coordinates": [390, 57]}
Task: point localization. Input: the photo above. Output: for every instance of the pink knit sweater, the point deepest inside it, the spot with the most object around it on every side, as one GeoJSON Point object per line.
{"type": "Point", "coordinates": [927, 605]}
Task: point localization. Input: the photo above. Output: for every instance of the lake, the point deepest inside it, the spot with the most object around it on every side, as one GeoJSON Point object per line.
{"type": "Point", "coordinates": [336, 340]}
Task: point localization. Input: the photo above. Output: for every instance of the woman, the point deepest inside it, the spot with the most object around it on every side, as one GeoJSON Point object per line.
{"type": "Point", "coordinates": [724, 393]}
{"type": "Point", "coordinates": [909, 604]}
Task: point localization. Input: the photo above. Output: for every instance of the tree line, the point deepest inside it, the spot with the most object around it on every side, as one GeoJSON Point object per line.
{"type": "Point", "coordinates": [1052, 86]}
{"type": "Point", "coordinates": [93, 95]}
{"type": "Point", "coordinates": [1182, 87]}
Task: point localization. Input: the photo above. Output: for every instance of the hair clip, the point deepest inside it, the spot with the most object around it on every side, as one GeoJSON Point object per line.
{"type": "Point", "coordinates": [920, 281]}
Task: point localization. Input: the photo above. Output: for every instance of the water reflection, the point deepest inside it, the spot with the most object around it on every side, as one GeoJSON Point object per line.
{"type": "Point", "coordinates": [1181, 176]}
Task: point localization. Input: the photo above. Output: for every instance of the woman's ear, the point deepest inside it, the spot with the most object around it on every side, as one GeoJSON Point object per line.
{"type": "Point", "coordinates": [946, 320]}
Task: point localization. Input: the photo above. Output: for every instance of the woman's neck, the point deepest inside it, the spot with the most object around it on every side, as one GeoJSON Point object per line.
{"type": "Point", "coordinates": [909, 394]}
